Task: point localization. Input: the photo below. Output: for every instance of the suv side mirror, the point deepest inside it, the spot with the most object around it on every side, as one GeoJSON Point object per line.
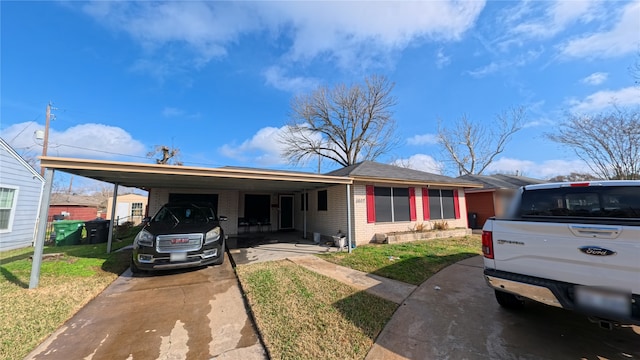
{"type": "Point", "coordinates": [222, 218]}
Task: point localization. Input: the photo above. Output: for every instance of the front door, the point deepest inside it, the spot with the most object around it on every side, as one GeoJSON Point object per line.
{"type": "Point", "coordinates": [286, 212]}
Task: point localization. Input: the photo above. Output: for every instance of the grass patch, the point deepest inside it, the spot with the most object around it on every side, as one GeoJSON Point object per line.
{"type": "Point", "coordinates": [411, 262]}
{"type": "Point", "coordinates": [304, 315]}
{"type": "Point", "coordinates": [67, 282]}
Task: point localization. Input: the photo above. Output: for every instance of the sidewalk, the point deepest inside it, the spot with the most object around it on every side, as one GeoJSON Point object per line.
{"type": "Point", "coordinates": [385, 288]}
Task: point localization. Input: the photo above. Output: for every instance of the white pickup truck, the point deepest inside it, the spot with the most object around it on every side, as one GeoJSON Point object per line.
{"type": "Point", "coordinates": [571, 245]}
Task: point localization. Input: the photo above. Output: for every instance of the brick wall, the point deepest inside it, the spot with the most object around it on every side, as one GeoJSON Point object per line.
{"type": "Point", "coordinates": [365, 232]}
{"type": "Point", "coordinates": [328, 222]}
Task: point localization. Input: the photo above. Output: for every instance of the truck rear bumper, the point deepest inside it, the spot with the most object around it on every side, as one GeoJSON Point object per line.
{"type": "Point", "coordinates": [533, 292]}
{"type": "Point", "coordinates": [553, 293]}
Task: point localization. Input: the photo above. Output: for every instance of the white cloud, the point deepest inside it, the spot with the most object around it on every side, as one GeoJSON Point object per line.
{"type": "Point", "coordinates": [351, 34]}
{"type": "Point", "coordinates": [424, 139]}
{"type": "Point", "coordinates": [85, 141]}
{"type": "Point", "coordinates": [596, 78]}
{"type": "Point", "coordinates": [276, 77]}
{"type": "Point", "coordinates": [623, 38]}
{"type": "Point", "coordinates": [556, 17]}
{"type": "Point", "coordinates": [519, 61]}
{"type": "Point", "coordinates": [442, 60]}
{"type": "Point", "coordinates": [538, 122]}
{"type": "Point", "coordinates": [170, 112]}
{"type": "Point", "coordinates": [603, 99]}
{"type": "Point", "coordinates": [264, 148]}
{"type": "Point", "coordinates": [421, 162]}
{"type": "Point", "coordinates": [540, 170]}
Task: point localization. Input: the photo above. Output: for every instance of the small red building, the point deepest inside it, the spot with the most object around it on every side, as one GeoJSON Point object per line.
{"type": "Point", "coordinates": [73, 207]}
{"type": "Point", "coordinates": [492, 199]}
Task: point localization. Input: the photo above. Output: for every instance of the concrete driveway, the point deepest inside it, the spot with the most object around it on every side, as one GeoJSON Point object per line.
{"type": "Point", "coordinates": [462, 320]}
{"type": "Point", "coordinates": [187, 314]}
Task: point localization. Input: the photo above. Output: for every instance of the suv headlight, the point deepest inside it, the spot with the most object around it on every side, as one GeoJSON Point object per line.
{"type": "Point", "coordinates": [144, 238]}
{"type": "Point", "coordinates": [212, 235]}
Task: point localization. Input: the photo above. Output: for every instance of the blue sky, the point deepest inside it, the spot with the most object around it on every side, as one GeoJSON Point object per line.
{"type": "Point", "coordinates": [215, 78]}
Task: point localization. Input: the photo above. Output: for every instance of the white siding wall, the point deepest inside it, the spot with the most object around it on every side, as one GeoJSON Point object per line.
{"type": "Point", "coordinates": [227, 204]}
{"type": "Point", "coordinates": [14, 174]}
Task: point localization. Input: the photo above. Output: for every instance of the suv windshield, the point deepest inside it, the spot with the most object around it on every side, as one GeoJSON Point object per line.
{"type": "Point", "coordinates": [184, 213]}
{"type": "Point", "coordinates": [592, 201]}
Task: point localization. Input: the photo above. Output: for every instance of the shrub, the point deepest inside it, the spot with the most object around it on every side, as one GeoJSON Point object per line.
{"type": "Point", "coordinates": [440, 225]}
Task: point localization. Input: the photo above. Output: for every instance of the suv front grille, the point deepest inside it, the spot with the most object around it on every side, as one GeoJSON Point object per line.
{"type": "Point", "coordinates": [178, 243]}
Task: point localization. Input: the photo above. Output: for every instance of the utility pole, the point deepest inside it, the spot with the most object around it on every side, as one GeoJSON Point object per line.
{"type": "Point", "coordinates": [46, 135]}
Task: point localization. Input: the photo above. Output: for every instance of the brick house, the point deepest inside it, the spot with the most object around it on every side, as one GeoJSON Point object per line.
{"type": "Point", "coordinates": [367, 197]}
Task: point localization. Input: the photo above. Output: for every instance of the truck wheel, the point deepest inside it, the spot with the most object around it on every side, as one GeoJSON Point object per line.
{"type": "Point", "coordinates": [220, 259]}
{"type": "Point", "coordinates": [508, 300]}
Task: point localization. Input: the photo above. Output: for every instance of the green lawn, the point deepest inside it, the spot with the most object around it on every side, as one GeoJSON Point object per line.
{"type": "Point", "coordinates": [411, 262]}
{"type": "Point", "coordinates": [67, 282]}
{"type": "Point", "coordinates": [304, 315]}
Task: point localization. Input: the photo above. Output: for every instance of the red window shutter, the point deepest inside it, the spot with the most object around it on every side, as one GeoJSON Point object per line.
{"type": "Point", "coordinates": [412, 204]}
{"type": "Point", "coordinates": [371, 204]}
{"type": "Point", "coordinates": [456, 204]}
{"type": "Point", "coordinates": [425, 204]}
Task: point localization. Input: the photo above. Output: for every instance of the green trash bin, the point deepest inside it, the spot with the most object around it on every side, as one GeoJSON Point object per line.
{"type": "Point", "coordinates": [68, 232]}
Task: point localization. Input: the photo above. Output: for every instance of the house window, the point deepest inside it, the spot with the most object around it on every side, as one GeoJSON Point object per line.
{"type": "Point", "coordinates": [7, 205]}
{"type": "Point", "coordinates": [391, 204]}
{"type": "Point", "coordinates": [304, 202]}
{"type": "Point", "coordinates": [136, 209]}
{"type": "Point", "coordinates": [322, 200]}
{"type": "Point", "coordinates": [442, 204]}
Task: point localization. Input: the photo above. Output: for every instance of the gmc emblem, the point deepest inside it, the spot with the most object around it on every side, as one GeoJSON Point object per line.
{"type": "Point", "coordinates": [179, 241]}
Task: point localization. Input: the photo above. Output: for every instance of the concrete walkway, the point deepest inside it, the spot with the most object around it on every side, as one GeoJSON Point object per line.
{"type": "Point", "coordinates": [186, 314]}
{"type": "Point", "coordinates": [453, 315]}
{"type": "Point", "coordinates": [385, 288]}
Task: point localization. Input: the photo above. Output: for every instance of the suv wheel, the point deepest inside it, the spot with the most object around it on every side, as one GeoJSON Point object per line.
{"type": "Point", "coordinates": [220, 259]}
{"type": "Point", "coordinates": [508, 300]}
{"type": "Point", "coordinates": [135, 269]}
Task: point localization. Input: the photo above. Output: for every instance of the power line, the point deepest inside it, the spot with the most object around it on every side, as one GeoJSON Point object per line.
{"type": "Point", "coordinates": [102, 151]}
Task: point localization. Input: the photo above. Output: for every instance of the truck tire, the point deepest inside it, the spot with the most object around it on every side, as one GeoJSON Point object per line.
{"type": "Point", "coordinates": [508, 300]}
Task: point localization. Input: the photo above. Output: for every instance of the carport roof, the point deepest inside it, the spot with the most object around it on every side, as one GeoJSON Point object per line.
{"type": "Point", "coordinates": [148, 176]}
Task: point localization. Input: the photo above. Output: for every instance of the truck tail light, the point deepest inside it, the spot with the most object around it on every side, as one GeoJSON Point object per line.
{"type": "Point", "coordinates": [487, 244]}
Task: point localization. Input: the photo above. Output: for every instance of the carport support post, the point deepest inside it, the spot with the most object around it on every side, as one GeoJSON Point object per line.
{"type": "Point", "coordinates": [42, 229]}
{"type": "Point", "coordinates": [304, 213]}
{"type": "Point", "coordinates": [113, 216]}
{"type": "Point", "coordinates": [349, 217]}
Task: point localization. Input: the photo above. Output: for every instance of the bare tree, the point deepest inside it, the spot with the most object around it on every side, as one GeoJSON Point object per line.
{"type": "Point", "coordinates": [608, 142]}
{"type": "Point", "coordinates": [344, 124]}
{"type": "Point", "coordinates": [574, 176]}
{"type": "Point", "coordinates": [471, 146]}
{"type": "Point", "coordinates": [169, 155]}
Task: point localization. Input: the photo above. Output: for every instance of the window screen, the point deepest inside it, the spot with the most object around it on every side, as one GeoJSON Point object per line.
{"type": "Point", "coordinates": [322, 200]}
{"type": "Point", "coordinates": [435, 204]}
{"type": "Point", "coordinates": [383, 204]}
{"type": "Point", "coordinates": [401, 210]}
{"type": "Point", "coordinates": [448, 207]}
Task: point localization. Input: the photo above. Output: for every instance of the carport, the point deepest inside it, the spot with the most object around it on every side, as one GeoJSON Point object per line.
{"type": "Point", "coordinates": [187, 180]}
